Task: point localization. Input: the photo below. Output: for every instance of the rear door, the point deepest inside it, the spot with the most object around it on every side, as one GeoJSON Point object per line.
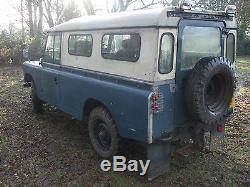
{"type": "Point", "coordinates": [196, 39]}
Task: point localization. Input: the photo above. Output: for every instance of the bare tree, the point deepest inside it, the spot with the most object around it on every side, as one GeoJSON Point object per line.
{"type": "Point", "coordinates": [70, 11]}
{"type": "Point", "coordinates": [48, 13]}
{"type": "Point", "coordinates": [34, 10]}
{"type": "Point", "coordinates": [121, 5]}
{"type": "Point", "coordinates": [88, 6]}
{"type": "Point", "coordinates": [57, 12]}
{"type": "Point", "coordinates": [40, 23]}
{"type": "Point", "coordinates": [30, 13]}
{"type": "Point", "coordinates": [22, 20]}
{"type": "Point", "coordinates": [35, 17]}
{"type": "Point", "coordinates": [148, 4]}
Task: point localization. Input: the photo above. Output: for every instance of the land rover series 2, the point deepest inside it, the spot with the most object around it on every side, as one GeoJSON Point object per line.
{"type": "Point", "coordinates": [154, 76]}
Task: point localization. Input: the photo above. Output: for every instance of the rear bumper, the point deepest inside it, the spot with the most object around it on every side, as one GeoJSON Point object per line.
{"type": "Point", "coordinates": [184, 133]}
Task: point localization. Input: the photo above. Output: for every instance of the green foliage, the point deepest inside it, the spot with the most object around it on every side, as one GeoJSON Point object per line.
{"type": "Point", "coordinates": [36, 46]}
{"type": "Point", "coordinates": [243, 42]}
{"type": "Point", "coordinates": [10, 47]}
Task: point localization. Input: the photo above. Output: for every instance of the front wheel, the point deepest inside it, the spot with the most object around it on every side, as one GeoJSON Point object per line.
{"type": "Point", "coordinates": [37, 105]}
{"type": "Point", "coordinates": [103, 133]}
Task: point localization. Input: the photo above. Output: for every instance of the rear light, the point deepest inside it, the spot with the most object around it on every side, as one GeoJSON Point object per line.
{"type": "Point", "coordinates": [220, 128]}
{"type": "Point", "coordinates": [156, 101]}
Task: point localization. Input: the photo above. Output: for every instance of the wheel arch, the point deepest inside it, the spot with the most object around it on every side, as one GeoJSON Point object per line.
{"type": "Point", "coordinates": [92, 103]}
{"type": "Point", "coordinates": [28, 77]}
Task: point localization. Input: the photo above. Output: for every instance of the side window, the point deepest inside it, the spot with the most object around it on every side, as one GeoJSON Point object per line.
{"type": "Point", "coordinates": [57, 49]}
{"type": "Point", "coordinates": [124, 47]}
{"type": "Point", "coordinates": [230, 54]}
{"type": "Point", "coordinates": [52, 52]}
{"type": "Point", "coordinates": [48, 54]}
{"type": "Point", "coordinates": [80, 45]}
{"type": "Point", "coordinates": [166, 53]}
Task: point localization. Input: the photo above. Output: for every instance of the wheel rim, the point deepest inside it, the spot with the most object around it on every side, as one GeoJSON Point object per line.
{"type": "Point", "coordinates": [216, 94]}
{"type": "Point", "coordinates": [102, 135]}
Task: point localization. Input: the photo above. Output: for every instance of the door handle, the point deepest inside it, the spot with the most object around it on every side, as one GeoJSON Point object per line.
{"type": "Point", "coordinates": [56, 80]}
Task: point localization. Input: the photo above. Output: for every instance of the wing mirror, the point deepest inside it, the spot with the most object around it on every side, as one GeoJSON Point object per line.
{"type": "Point", "coordinates": [40, 61]}
{"type": "Point", "coordinates": [26, 53]}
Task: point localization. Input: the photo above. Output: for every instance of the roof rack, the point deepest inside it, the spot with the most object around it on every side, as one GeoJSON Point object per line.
{"type": "Point", "coordinates": [200, 15]}
{"type": "Point", "coordinates": [185, 10]}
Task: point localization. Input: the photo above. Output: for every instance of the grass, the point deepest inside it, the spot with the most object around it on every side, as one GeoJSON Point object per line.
{"type": "Point", "coordinates": [243, 64]}
{"type": "Point", "coordinates": [54, 149]}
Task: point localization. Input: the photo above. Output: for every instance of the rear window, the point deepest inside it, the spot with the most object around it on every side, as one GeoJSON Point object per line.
{"type": "Point", "coordinates": [80, 45]}
{"type": "Point", "coordinates": [124, 47]}
{"type": "Point", "coordinates": [199, 42]}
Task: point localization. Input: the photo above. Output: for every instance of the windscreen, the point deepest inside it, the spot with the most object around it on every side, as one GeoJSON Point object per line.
{"type": "Point", "coordinates": [199, 42]}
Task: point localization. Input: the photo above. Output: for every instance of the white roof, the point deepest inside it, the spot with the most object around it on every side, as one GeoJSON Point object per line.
{"type": "Point", "coordinates": [140, 18]}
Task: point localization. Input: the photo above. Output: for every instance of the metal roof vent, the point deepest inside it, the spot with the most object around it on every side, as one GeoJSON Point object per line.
{"type": "Point", "coordinates": [230, 9]}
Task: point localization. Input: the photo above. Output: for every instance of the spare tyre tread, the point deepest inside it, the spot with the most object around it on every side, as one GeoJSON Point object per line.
{"type": "Point", "coordinates": [197, 82]}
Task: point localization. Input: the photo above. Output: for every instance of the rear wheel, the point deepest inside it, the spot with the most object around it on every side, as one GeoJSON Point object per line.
{"type": "Point", "coordinates": [103, 133]}
{"type": "Point", "coordinates": [37, 105]}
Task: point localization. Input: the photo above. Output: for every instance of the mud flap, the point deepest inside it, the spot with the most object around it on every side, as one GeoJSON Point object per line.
{"type": "Point", "coordinates": [159, 155]}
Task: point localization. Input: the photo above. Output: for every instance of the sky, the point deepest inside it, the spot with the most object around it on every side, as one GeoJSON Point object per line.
{"type": "Point", "coordinates": [9, 11]}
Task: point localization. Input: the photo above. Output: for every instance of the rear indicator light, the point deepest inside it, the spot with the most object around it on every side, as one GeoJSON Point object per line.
{"type": "Point", "coordinates": [221, 128]}
{"type": "Point", "coordinates": [156, 101]}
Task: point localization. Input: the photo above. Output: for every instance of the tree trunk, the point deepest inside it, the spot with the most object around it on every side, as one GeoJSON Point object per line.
{"type": "Point", "coordinates": [30, 12]}
{"type": "Point", "coordinates": [22, 22]}
{"type": "Point", "coordinates": [40, 23]}
{"type": "Point", "coordinates": [88, 5]}
{"type": "Point", "coordinates": [35, 19]}
{"type": "Point", "coordinates": [49, 18]}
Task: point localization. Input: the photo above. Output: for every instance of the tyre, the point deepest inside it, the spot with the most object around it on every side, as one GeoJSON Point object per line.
{"type": "Point", "coordinates": [209, 90]}
{"type": "Point", "coordinates": [37, 105]}
{"type": "Point", "coordinates": [103, 133]}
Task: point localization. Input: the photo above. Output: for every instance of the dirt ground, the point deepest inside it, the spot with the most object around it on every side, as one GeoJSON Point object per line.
{"type": "Point", "coordinates": [54, 149]}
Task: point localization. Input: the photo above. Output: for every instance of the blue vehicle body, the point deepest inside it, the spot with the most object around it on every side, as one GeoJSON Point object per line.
{"type": "Point", "coordinates": [72, 90]}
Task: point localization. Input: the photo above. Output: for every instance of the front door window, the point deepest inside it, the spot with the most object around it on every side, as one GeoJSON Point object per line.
{"type": "Point", "coordinates": [52, 52]}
